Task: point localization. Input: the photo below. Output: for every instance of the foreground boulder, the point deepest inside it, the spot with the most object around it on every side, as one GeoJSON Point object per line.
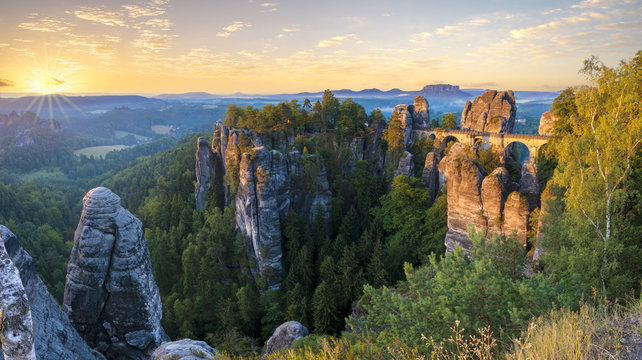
{"type": "Point", "coordinates": [16, 326]}
{"type": "Point", "coordinates": [285, 335]}
{"type": "Point", "coordinates": [185, 349]}
{"type": "Point", "coordinates": [111, 296]}
{"type": "Point", "coordinates": [55, 337]}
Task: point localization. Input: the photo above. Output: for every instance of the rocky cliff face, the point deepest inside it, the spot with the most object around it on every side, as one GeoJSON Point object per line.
{"type": "Point", "coordinates": [464, 198]}
{"type": "Point", "coordinates": [16, 326]}
{"type": "Point", "coordinates": [490, 203]}
{"type": "Point", "coordinates": [547, 122]}
{"type": "Point", "coordinates": [270, 183]}
{"type": "Point", "coordinates": [413, 117]}
{"type": "Point", "coordinates": [490, 112]}
{"type": "Point", "coordinates": [55, 337]}
{"type": "Point", "coordinates": [430, 174]}
{"type": "Point", "coordinates": [209, 169]}
{"type": "Point", "coordinates": [111, 296]}
{"type": "Point", "coordinates": [406, 165]}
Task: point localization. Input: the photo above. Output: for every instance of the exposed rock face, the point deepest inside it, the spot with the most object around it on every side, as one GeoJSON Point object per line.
{"type": "Point", "coordinates": [185, 349]}
{"type": "Point", "coordinates": [55, 337]}
{"type": "Point", "coordinates": [209, 169]}
{"type": "Point", "coordinates": [516, 216]}
{"type": "Point", "coordinates": [420, 114]}
{"type": "Point", "coordinates": [464, 198]}
{"type": "Point", "coordinates": [16, 326]}
{"type": "Point", "coordinates": [490, 112]}
{"type": "Point", "coordinates": [547, 122]}
{"type": "Point", "coordinates": [413, 117]}
{"type": "Point", "coordinates": [269, 184]}
{"type": "Point", "coordinates": [111, 296]}
{"type": "Point", "coordinates": [372, 149]}
{"type": "Point", "coordinates": [285, 335]}
{"type": "Point", "coordinates": [430, 174]}
{"type": "Point", "coordinates": [529, 184]}
{"type": "Point", "coordinates": [494, 191]}
{"type": "Point", "coordinates": [406, 165]}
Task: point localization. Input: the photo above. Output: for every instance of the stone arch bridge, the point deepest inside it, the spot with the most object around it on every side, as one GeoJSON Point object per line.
{"type": "Point", "coordinates": [499, 141]}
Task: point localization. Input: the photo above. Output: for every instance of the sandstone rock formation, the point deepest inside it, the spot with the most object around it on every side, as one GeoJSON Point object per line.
{"type": "Point", "coordinates": [464, 180]}
{"type": "Point", "coordinates": [55, 337]}
{"type": "Point", "coordinates": [546, 123]}
{"type": "Point", "coordinates": [440, 90]}
{"type": "Point", "coordinates": [111, 296]}
{"type": "Point", "coordinates": [413, 117]}
{"type": "Point", "coordinates": [209, 170]}
{"type": "Point", "coordinates": [406, 165]}
{"type": "Point", "coordinates": [285, 335]}
{"type": "Point", "coordinates": [185, 349]}
{"type": "Point", "coordinates": [490, 112]}
{"type": "Point", "coordinates": [16, 326]}
{"type": "Point", "coordinates": [516, 216]}
{"type": "Point", "coordinates": [529, 184]}
{"type": "Point", "coordinates": [494, 192]}
{"type": "Point", "coordinates": [430, 174]}
{"type": "Point", "coordinates": [269, 184]}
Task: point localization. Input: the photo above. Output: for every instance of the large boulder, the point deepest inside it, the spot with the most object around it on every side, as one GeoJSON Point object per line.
{"type": "Point", "coordinates": [16, 325]}
{"type": "Point", "coordinates": [464, 180]}
{"type": "Point", "coordinates": [285, 335]}
{"type": "Point", "coordinates": [111, 296]}
{"type": "Point", "coordinates": [185, 349]}
{"type": "Point", "coordinates": [490, 112]}
{"type": "Point", "coordinates": [55, 337]}
{"type": "Point", "coordinates": [547, 122]}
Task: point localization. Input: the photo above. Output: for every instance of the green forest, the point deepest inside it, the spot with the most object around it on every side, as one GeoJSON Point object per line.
{"type": "Point", "coordinates": [373, 281]}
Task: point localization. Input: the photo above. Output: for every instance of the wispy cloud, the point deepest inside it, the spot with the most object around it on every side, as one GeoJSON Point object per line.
{"type": "Point", "coordinates": [420, 36]}
{"type": "Point", "coordinates": [234, 27]}
{"type": "Point", "coordinates": [338, 40]}
{"type": "Point", "coordinates": [269, 6]}
{"type": "Point", "coordinates": [5, 82]}
{"type": "Point", "coordinates": [156, 23]}
{"type": "Point", "coordinates": [150, 41]}
{"type": "Point", "coordinates": [621, 26]}
{"type": "Point", "coordinates": [46, 25]}
{"type": "Point", "coordinates": [102, 16]}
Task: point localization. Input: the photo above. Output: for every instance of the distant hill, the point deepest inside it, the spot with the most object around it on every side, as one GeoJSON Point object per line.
{"type": "Point", "coordinates": [189, 96]}
{"type": "Point", "coordinates": [85, 103]}
{"type": "Point", "coordinates": [442, 90]}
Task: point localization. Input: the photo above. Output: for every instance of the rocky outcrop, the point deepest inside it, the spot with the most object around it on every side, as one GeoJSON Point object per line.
{"type": "Point", "coordinates": [494, 192]}
{"type": "Point", "coordinates": [464, 180]}
{"type": "Point", "coordinates": [285, 335]}
{"type": "Point", "coordinates": [406, 165]}
{"type": "Point", "coordinates": [490, 112]}
{"type": "Point", "coordinates": [111, 296]}
{"type": "Point", "coordinates": [16, 326]}
{"type": "Point", "coordinates": [55, 337]}
{"type": "Point", "coordinates": [209, 170]}
{"type": "Point", "coordinates": [269, 184]}
{"type": "Point", "coordinates": [547, 122]}
{"type": "Point", "coordinates": [516, 216]}
{"type": "Point", "coordinates": [529, 184]}
{"type": "Point", "coordinates": [430, 174]}
{"type": "Point", "coordinates": [185, 349]}
{"type": "Point", "coordinates": [413, 117]}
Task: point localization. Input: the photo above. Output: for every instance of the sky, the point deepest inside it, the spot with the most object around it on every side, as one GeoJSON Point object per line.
{"type": "Point", "coordinates": [285, 46]}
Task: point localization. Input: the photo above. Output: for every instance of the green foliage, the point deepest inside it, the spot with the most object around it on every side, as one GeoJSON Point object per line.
{"type": "Point", "coordinates": [449, 121]}
{"type": "Point", "coordinates": [476, 291]}
{"type": "Point", "coordinates": [393, 135]}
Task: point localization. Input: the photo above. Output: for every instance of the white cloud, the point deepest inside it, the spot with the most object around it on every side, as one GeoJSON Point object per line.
{"type": "Point", "coordinates": [46, 25]}
{"type": "Point", "coordinates": [234, 27]}
{"type": "Point", "coordinates": [269, 7]}
{"type": "Point", "coordinates": [621, 26]}
{"type": "Point", "coordinates": [338, 40]}
{"type": "Point", "coordinates": [150, 41]}
{"type": "Point", "coordinates": [99, 15]}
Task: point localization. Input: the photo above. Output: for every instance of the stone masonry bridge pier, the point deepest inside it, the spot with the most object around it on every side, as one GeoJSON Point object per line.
{"type": "Point", "coordinates": [499, 141]}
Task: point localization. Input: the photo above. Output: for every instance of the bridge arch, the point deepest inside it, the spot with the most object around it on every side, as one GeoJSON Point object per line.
{"type": "Point", "coordinates": [445, 141]}
{"type": "Point", "coordinates": [517, 147]}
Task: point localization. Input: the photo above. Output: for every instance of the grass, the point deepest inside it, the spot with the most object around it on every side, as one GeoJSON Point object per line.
{"type": "Point", "coordinates": [98, 151]}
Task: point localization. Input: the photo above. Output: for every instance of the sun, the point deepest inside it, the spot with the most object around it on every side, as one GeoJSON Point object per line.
{"type": "Point", "coordinates": [48, 85]}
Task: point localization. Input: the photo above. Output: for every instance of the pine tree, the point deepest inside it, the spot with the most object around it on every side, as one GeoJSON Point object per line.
{"type": "Point", "coordinates": [325, 309]}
